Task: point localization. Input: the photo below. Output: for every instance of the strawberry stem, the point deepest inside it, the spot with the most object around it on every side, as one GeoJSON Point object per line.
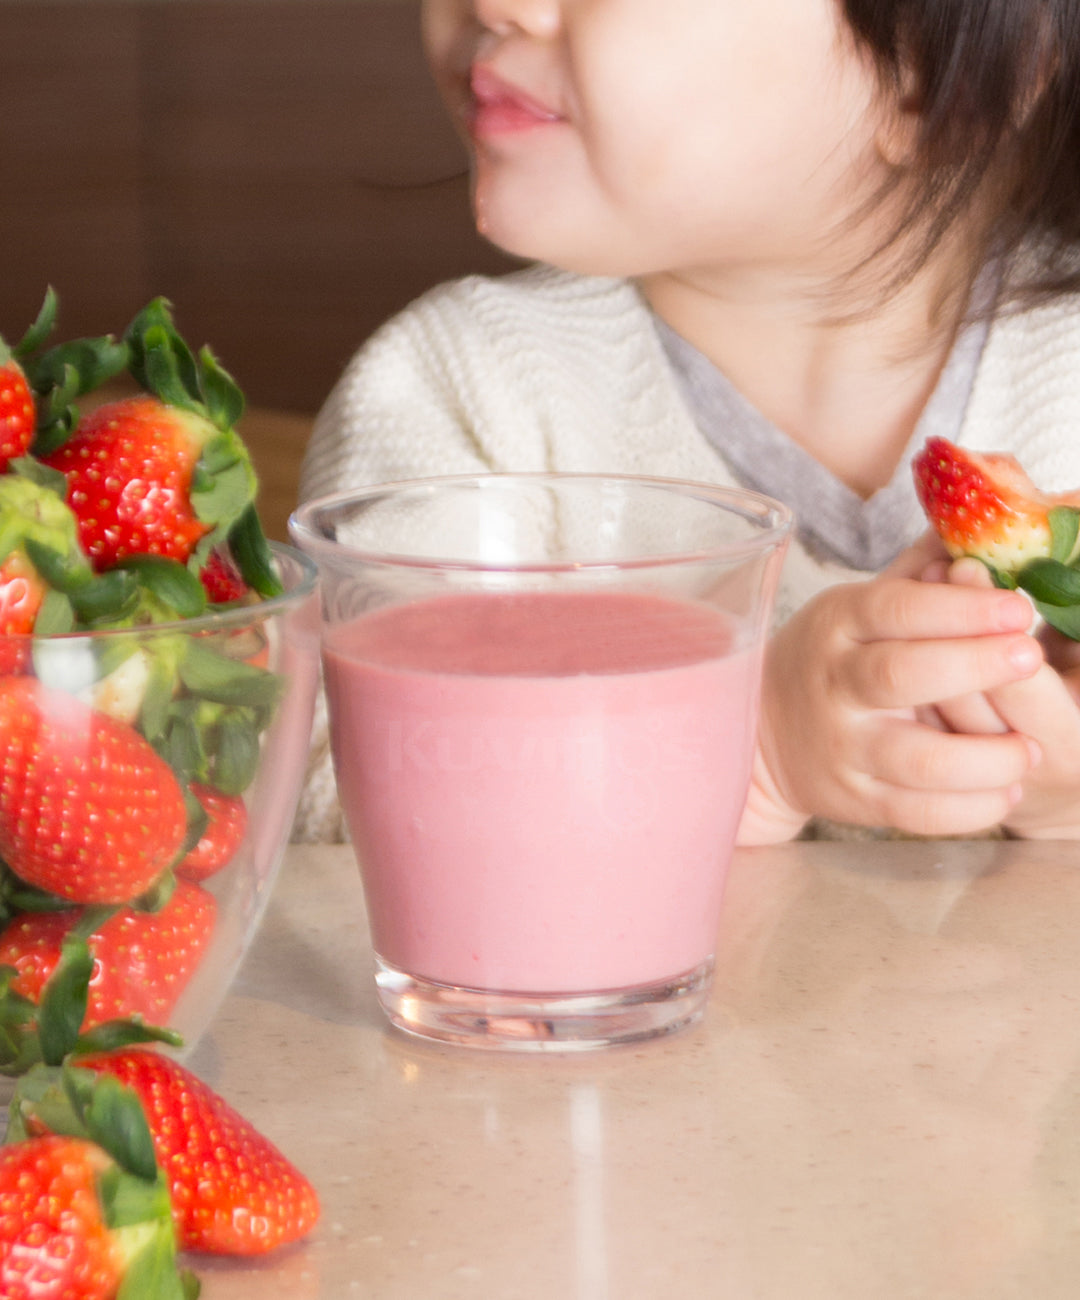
{"type": "Point", "coordinates": [49, 1032]}
{"type": "Point", "coordinates": [247, 543]}
{"type": "Point", "coordinates": [43, 325]}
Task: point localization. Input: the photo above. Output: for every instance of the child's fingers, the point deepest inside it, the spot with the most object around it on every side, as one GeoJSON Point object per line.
{"type": "Point", "coordinates": [912, 562]}
{"type": "Point", "coordinates": [936, 812]}
{"type": "Point", "coordinates": [1042, 706]}
{"type": "Point", "coordinates": [907, 674]}
{"type": "Point", "coordinates": [972, 713]}
{"type": "Point", "coordinates": [969, 572]}
{"type": "Point", "coordinates": [910, 610]}
{"type": "Point", "coordinates": [905, 755]}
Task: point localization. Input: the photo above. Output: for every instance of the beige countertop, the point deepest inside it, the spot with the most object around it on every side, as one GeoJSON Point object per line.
{"type": "Point", "coordinates": [883, 1101]}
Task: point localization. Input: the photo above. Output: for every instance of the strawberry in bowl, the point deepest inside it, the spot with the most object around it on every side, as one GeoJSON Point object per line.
{"type": "Point", "coordinates": [985, 505]}
{"type": "Point", "coordinates": [158, 662]}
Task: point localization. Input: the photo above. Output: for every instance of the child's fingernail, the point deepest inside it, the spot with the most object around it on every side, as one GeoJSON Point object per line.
{"type": "Point", "coordinates": [1034, 750]}
{"type": "Point", "coordinates": [1025, 655]}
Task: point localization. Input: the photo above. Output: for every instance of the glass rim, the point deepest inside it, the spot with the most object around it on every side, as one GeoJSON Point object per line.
{"type": "Point", "coordinates": [210, 620]}
{"type": "Point", "coordinates": [774, 520]}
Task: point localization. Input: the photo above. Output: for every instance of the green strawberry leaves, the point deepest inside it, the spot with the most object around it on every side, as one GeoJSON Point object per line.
{"type": "Point", "coordinates": [1064, 533]}
{"type": "Point", "coordinates": [156, 356]}
{"type": "Point", "coordinates": [252, 555]}
{"type": "Point", "coordinates": [114, 1119]}
{"type": "Point", "coordinates": [19, 1044]}
{"type": "Point", "coordinates": [142, 589]}
{"type": "Point", "coordinates": [134, 1193]}
{"type": "Point", "coordinates": [212, 744]}
{"type": "Point", "coordinates": [43, 326]}
{"type": "Point", "coordinates": [172, 585]}
{"type": "Point", "coordinates": [163, 363]}
{"type": "Point", "coordinates": [50, 1031]}
{"type": "Point", "coordinates": [1052, 581]}
{"type": "Point", "coordinates": [63, 373]}
{"type": "Point", "coordinates": [62, 1008]}
{"type": "Point", "coordinates": [78, 1103]}
{"type": "Point", "coordinates": [1065, 619]}
{"type": "Point", "coordinates": [214, 676]}
{"type": "Point", "coordinates": [224, 483]}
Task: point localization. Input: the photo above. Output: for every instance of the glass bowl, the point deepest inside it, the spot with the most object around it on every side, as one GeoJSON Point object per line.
{"type": "Point", "coordinates": [148, 782]}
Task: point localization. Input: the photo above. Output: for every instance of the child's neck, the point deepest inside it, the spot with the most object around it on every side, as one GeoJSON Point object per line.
{"type": "Point", "coordinates": [848, 386]}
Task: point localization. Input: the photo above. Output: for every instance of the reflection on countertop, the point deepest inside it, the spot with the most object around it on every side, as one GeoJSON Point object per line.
{"type": "Point", "coordinates": [883, 1101]}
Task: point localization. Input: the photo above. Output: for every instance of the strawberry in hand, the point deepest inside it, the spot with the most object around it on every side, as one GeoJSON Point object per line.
{"type": "Point", "coordinates": [985, 505]}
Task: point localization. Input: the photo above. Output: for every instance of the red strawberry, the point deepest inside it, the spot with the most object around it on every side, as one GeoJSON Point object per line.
{"type": "Point", "coordinates": [88, 810]}
{"type": "Point", "coordinates": [54, 1241]}
{"type": "Point", "coordinates": [142, 960]}
{"type": "Point", "coordinates": [30, 512]}
{"type": "Point", "coordinates": [21, 594]}
{"type": "Point", "coordinates": [18, 416]}
{"type": "Point", "coordinates": [221, 580]}
{"type": "Point", "coordinates": [223, 835]}
{"type": "Point", "coordinates": [129, 467]}
{"type": "Point", "coordinates": [985, 505]}
{"type": "Point", "coordinates": [233, 1192]}
{"type": "Point", "coordinates": [62, 1237]}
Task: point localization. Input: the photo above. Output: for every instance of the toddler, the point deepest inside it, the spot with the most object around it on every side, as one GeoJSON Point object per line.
{"type": "Point", "coordinates": [777, 245]}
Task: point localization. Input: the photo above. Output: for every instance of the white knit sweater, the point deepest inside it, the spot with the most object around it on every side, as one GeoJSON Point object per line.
{"type": "Point", "coordinates": [544, 370]}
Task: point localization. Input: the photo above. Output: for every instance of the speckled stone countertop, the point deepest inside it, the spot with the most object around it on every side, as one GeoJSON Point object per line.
{"type": "Point", "coordinates": [883, 1101]}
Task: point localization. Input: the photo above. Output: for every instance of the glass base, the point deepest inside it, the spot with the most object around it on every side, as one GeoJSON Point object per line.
{"type": "Point", "coordinates": [541, 1022]}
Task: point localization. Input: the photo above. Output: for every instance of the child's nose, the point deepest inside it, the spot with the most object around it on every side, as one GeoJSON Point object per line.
{"type": "Point", "coordinates": [538, 18]}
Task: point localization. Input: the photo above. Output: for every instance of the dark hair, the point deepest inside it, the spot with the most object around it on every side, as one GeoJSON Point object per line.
{"type": "Point", "coordinates": [997, 87]}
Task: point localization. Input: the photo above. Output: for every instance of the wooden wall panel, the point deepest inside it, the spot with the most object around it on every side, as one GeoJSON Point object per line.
{"type": "Point", "coordinates": [70, 148]}
{"type": "Point", "coordinates": [281, 170]}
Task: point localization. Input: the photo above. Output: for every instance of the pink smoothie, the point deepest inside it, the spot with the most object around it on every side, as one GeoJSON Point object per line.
{"type": "Point", "coordinates": [543, 789]}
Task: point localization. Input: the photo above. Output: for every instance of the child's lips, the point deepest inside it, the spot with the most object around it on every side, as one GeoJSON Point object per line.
{"type": "Point", "coordinates": [496, 107]}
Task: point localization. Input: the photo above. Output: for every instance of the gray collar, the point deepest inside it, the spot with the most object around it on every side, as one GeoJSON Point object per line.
{"type": "Point", "coordinates": [834, 523]}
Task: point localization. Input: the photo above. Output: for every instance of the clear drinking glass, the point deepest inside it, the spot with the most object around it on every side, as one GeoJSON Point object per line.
{"type": "Point", "coordinates": [543, 693]}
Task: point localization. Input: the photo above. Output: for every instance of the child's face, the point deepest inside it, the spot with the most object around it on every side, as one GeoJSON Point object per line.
{"type": "Point", "coordinates": [634, 137]}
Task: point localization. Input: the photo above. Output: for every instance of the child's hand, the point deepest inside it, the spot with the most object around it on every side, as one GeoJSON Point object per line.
{"type": "Point", "coordinates": [848, 731]}
{"type": "Point", "coordinates": [1044, 707]}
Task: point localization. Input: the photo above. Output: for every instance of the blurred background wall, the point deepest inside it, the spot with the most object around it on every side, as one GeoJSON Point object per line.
{"type": "Point", "coordinates": [280, 169]}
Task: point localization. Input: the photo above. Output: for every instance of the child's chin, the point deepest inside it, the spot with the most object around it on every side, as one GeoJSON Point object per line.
{"type": "Point", "coordinates": [532, 241]}
{"type": "Point", "coordinates": [527, 221]}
